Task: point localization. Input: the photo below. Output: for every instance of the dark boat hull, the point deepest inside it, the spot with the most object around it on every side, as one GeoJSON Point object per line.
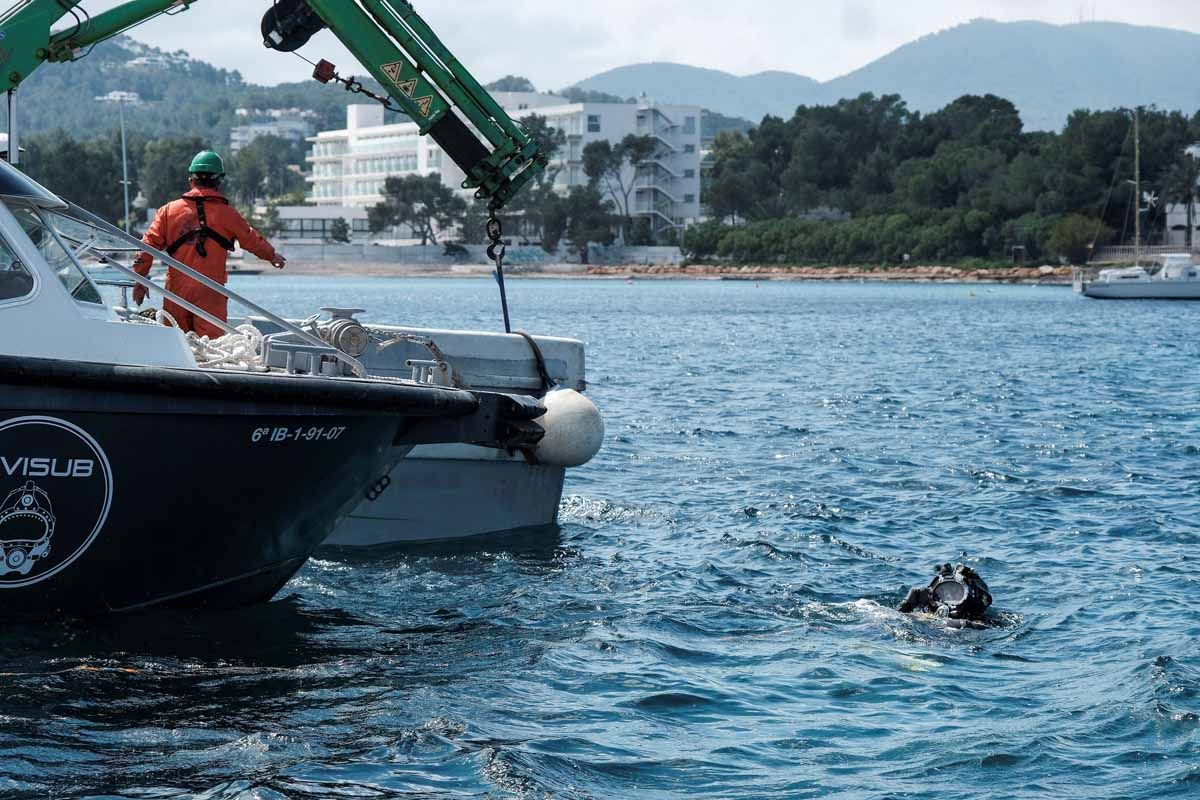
{"type": "Point", "coordinates": [123, 488]}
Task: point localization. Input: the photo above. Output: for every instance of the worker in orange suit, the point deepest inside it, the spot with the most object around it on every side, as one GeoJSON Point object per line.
{"type": "Point", "coordinates": [200, 230]}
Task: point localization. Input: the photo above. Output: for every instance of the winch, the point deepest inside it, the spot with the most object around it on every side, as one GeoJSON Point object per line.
{"type": "Point", "coordinates": [343, 331]}
{"type": "Point", "coordinates": [289, 352]}
{"type": "Point", "coordinates": [286, 351]}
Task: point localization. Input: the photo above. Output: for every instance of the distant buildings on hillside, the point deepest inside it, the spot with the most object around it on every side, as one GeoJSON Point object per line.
{"type": "Point", "coordinates": [293, 124]}
{"type": "Point", "coordinates": [151, 61]}
{"type": "Point", "coordinates": [128, 98]}
{"type": "Point", "coordinates": [349, 166]}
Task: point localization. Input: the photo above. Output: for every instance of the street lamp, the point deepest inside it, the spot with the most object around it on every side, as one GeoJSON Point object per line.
{"type": "Point", "coordinates": [120, 98]}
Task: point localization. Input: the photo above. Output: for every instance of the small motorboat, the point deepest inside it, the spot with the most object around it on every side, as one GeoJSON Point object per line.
{"type": "Point", "coordinates": [137, 471]}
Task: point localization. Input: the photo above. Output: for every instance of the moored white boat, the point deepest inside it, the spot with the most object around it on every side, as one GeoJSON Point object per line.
{"type": "Point", "coordinates": [468, 490]}
{"type": "Point", "coordinates": [1173, 276]}
{"type": "Point", "coordinates": [1169, 276]}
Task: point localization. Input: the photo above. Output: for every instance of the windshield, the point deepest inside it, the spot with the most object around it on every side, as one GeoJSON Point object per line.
{"type": "Point", "coordinates": [93, 248]}
{"type": "Point", "coordinates": [65, 267]}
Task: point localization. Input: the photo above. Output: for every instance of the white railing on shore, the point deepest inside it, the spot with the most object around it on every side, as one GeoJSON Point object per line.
{"type": "Point", "coordinates": [1121, 253]}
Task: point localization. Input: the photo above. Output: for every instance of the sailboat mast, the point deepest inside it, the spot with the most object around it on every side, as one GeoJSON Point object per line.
{"type": "Point", "coordinates": [1137, 188]}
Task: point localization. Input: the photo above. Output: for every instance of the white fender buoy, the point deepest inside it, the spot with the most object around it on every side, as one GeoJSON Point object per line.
{"type": "Point", "coordinates": [574, 429]}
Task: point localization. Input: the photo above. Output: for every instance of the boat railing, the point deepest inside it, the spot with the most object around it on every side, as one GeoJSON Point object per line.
{"type": "Point", "coordinates": [124, 286]}
{"type": "Point", "coordinates": [311, 342]}
{"type": "Point", "coordinates": [1082, 276]}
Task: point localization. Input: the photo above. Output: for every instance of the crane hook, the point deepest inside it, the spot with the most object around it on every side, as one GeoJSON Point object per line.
{"type": "Point", "coordinates": [495, 251]}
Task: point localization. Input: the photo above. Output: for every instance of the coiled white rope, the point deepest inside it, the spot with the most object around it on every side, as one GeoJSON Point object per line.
{"type": "Point", "coordinates": [241, 351]}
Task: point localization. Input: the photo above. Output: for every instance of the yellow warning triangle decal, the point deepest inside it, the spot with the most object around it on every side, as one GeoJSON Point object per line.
{"type": "Point", "coordinates": [424, 104]}
{"type": "Point", "coordinates": [393, 70]}
{"type": "Point", "coordinates": [408, 86]}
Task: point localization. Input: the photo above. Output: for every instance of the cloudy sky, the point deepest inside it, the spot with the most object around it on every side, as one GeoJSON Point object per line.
{"type": "Point", "coordinates": [559, 42]}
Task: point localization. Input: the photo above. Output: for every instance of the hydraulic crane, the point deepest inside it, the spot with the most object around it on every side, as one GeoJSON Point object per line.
{"type": "Point", "coordinates": [420, 76]}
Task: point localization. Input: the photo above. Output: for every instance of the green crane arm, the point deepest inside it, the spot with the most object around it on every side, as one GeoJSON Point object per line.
{"type": "Point", "coordinates": [421, 76]}
{"type": "Point", "coordinates": [425, 80]}
{"type": "Point", "coordinates": [27, 39]}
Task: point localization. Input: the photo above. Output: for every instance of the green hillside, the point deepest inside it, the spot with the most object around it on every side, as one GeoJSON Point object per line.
{"type": "Point", "coordinates": [181, 96]}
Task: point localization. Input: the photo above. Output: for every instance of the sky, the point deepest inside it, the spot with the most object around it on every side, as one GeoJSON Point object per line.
{"type": "Point", "coordinates": [557, 43]}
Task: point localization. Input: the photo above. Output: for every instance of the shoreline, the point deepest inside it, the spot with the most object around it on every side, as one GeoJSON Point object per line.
{"type": "Point", "coordinates": [1043, 276]}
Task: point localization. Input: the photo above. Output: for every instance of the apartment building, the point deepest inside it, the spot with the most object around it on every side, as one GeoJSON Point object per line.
{"type": "Point", "coordinates": [349, 166]}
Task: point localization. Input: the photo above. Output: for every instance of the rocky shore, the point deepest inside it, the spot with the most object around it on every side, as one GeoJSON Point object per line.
{"type": "Point", "coordinates": [920, 274]}
{"type": "Point", "coordinates": [1045, 275]}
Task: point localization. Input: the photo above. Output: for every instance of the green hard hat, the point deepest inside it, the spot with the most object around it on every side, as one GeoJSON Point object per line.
{"type": "Point", "coordinates": [207, 162]}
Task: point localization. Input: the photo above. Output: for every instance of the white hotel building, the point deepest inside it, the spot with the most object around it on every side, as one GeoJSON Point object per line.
{"type": "Point", "coordinates": [349, 166]}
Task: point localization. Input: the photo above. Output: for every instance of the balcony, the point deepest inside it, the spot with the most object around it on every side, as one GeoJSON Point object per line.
{"type": "Point", "coordinates": [655, 116]}
{"type": "Point", "coordinates": [656, 190]}
{"type": "Point", "coordinates": [665, 143]}
{"type": "Point", "coordinates": [659, 166]}
{"type": "Point", "coordinates": [664, 207]}
{"type": "Point", "coordinates": [650, 182]}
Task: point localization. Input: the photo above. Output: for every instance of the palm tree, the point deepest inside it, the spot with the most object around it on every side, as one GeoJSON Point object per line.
{"type": "Point", "coordinates": [1182, 182]}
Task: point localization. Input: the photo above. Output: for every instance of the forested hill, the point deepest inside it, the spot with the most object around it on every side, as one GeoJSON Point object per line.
{"type": "Point", "coordinates": [964, 182]}
{"type": "Point", "coordinates": [1048, 71]}
{"type": "Point", "coordinates": [181, 95]}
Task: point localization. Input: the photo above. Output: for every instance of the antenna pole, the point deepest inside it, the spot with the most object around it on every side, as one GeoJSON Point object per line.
{"type": "Point", "coordinates": [1137, 188]}
{"type": "Point", "coordinates": [125, 166]}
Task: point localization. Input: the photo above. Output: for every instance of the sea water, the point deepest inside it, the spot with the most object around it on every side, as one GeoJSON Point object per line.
{"type": "Point", "coordinates": [713, 617]}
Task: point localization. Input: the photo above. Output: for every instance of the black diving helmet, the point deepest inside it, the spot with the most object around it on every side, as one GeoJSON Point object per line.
{"type": "Point", "coordinates": [958, 592]}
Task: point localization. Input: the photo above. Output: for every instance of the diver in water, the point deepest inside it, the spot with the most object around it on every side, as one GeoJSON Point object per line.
{"type": "Point", "coordinates": [957, 593]}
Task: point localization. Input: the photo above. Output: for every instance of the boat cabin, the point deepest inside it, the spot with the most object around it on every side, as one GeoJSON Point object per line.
{"type": "Point", "coordinates": [1124, 275]}
{"type": "Point", "coordinates": [1165, 267]}
{"type": "Point", "coordinates": [1176, 266]}
{"type": "Point", "coordinates": [49, 306]}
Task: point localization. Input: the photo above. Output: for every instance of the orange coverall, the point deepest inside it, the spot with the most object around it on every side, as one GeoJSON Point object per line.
{"type": "Point", "coordinates": [177, 219]}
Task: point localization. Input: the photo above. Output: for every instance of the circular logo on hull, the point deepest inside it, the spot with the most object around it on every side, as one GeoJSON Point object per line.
{"type": "Point", "coordinates": [55, 495]}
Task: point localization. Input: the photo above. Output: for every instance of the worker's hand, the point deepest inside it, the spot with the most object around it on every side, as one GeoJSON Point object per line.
{"type": "Point", "coordinates": [279, 262]}
{"type": "Point", "coordinates": [139, 294]}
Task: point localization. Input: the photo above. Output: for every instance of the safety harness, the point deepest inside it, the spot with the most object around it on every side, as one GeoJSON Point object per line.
{"type": "Point", "coordinates": [203, 233]}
